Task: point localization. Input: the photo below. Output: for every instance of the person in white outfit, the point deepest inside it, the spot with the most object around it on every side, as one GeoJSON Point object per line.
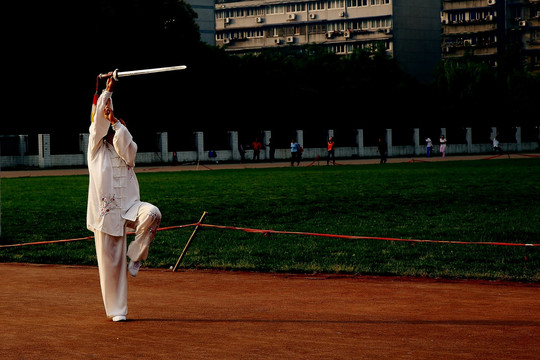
{"type": "Point", "coordinates": [114, 206]}
{"type": "Point", "coordinates": [442, 147]}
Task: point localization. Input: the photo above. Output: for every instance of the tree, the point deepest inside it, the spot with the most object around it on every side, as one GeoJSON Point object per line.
{"type": "Point", "coordinates": [64, 45]}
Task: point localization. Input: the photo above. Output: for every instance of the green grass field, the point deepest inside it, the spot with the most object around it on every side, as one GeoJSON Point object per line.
{"type": "Point", "coordinates": [497, 200]}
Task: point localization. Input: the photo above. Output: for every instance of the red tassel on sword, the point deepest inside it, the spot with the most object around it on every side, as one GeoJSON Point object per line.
{"type": "Point", "coordinates": [94, 102]}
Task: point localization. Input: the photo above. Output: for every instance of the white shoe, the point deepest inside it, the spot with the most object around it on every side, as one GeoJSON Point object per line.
{"type": "Point", "coordinates": [119, 318]}
{"type": "Point", "coordinates": [133, 267]}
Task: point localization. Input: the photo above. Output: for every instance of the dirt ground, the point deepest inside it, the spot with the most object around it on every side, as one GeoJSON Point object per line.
{"type": "Point", "coordinates": [56, 312]}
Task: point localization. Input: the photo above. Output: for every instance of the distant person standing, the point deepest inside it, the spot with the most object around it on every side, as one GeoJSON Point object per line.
{"type": "Point", "coordinates": [382, 149]}
{"type": "Point", "coordinates": [272, 148]}
{"type": "Point", "coordinates": [331, 153]}
{"type": "Point", "coordinates": [295, 152]}
{"type": "Point", "coordinates": [257, 146]}
{"type": "Point", "coordinates": [429, 146]}
{"type": "Point", "coordinates": [497, 146]}
{"type": "Point", "coordinates": [242, 152]}
{"type": "Point", "coordinates": [442, 147]}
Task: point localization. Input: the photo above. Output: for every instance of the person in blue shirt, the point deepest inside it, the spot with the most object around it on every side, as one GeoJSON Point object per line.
{"type": "Point", "coordinates": [296, 152]}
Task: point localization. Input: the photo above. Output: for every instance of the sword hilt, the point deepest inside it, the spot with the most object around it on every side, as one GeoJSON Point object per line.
{"type": "Point", "coordinates": [114, 75]}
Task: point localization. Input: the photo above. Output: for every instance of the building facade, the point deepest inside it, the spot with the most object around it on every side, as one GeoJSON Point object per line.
{"type": "Point", "coordinates": [205, 19]}
{"type": "Point", "coordinates": [485, 28]}
{"type": "Point", "coordinates": [408, 30]}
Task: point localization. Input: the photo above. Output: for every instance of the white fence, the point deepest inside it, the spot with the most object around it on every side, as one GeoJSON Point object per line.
{"type": "Point", "coordinates": [44, 159]}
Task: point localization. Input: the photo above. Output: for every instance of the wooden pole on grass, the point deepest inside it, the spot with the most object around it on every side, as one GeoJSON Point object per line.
{"type": "Point", "coordinates": [189, 241]}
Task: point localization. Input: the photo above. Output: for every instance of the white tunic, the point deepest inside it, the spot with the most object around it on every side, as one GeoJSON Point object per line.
{"type": "Point", "coordinates": [113, 193]}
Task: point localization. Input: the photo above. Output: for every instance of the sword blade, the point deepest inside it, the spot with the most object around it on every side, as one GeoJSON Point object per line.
{"type": "Point", "coordinates": [150, 71]}
{"type": "Point", "coordinates": [118, 74]}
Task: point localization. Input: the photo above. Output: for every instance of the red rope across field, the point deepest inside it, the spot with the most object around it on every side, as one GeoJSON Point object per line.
{"type": "Point", "coordinates": [267, 232]}
{"type": "Point", "coordinates": [89, 238]}
{"type": "Point", "coordinates": [353, 237]}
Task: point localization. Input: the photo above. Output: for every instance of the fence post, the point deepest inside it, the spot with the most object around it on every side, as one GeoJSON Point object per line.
{"type": "Point", "coordinates": [23, 148]}
{"type": "Point", "coordinates": [233, 143]}
{"type": "Point", "coordinates": [300, 137]}
{"type": "Point", "coordinates": [199, 144]}
{"type": "Point", "coordinates": [389, 142]}
{"type": "Point", "coordinates": [418, 150]}
{"type": "Point", "coordinates": [267, 135]}
{"type": "Point", "coordinates": [83, 146]}
{"type": "Point", "coordinates": [468, 138]}
{"type": "Point", "coordinates": [518, 138]}
{"type": "Point", "coordinates": [360, 142]}
{"type": "Point", "coordinates": [44, 142]}
{"type": "Point", "coordinates": [163, 143]}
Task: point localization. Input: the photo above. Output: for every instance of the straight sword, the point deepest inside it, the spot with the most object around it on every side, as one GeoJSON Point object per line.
{"type": "Point", "coordinates": [118, 74]}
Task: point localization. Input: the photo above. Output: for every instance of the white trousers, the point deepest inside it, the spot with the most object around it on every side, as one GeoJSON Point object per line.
{"type": "Point", "coordinates": [111, 257]}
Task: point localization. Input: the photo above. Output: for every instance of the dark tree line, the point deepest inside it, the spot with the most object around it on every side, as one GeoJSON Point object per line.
{"type": "Point", "coordinates": [289, 88]}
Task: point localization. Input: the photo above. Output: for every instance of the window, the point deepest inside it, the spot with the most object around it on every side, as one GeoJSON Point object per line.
{"type": "Point", "coordinates": [357, 3]}
{"type": "Point", "coordinates": [318, 28]}
{"type": "Point", "coordinates": [255, 11]}
{"type": "Point", "coordinates": [316, 5]}
{"type": "Point", "coordinates": [275, 9]}
{"type": "Point", "coordinates": [296, 7]}
{"type": "Point", "coordinates": [255, 33]}
{"type": "Point", "coordinates": [336, 4]}
{"type": "Point", "coordinates": [230, 13]}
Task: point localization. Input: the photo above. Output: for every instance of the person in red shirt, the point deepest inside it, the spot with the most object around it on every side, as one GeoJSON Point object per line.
{"type": "Point", "coordinates": [257, 146]}
{"type": "Point", "coordinates": [331, 148]}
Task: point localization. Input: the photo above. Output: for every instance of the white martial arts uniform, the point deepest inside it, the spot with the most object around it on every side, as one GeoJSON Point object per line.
{"type": "Point", "coordinates": [114, 206]}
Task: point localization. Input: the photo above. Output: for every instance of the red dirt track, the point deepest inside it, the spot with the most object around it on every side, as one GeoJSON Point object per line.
{"type": "Point", "coordinates": [56, 312]}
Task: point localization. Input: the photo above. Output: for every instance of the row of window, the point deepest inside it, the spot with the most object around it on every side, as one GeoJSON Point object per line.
{"type": "Point", "coordinates": [354, 25]}
{"type": "Point", "coordinates": [471, 16]}
{"type": "Point", "coordinates": [295, 7]}
{"type": "Point", "coordinates": [479, 40]}
{"type": "Point", "coordinates": [367, 46]}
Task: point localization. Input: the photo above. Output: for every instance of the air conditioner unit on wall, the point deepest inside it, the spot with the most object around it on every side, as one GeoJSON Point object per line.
{"type": "Point", "coordinates": [312, 16]}
{"type": "Point", "coordinates": [347, 34]}
{"type": "Point", "coordinates": [259, 20]}
{"type": "Point", "coordinates": [522, 23]}
{"type": "Point", "coordinates": [291, 16]}
{"type": "Point", "coordinates": [277, 41]}
{"type": "Point", "coordinates": [491, 2]}
{"type": "Point", "coordinates": [290, 39]}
